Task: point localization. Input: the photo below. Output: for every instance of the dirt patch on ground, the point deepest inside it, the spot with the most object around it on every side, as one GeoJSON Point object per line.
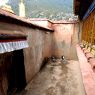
{"type": "Point", "coordinates": [57, 78]}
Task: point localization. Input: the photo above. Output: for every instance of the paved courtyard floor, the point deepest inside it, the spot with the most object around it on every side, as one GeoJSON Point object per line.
{"type": "Point", "coordinates": [57, 78]}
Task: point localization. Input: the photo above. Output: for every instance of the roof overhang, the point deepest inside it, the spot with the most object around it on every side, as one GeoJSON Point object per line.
{"type": "Point", "coordinates": [12, 40]}
{"type": "Point", "coordinates": [12, 46]}
{"type": "Point", "coordinates": [76, 6]}
{"type": "Point", "coordinates": [81, 7]}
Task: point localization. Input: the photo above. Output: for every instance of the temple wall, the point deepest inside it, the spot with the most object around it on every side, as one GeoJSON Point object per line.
{"type": "Point", "coordinates": [42, 43]}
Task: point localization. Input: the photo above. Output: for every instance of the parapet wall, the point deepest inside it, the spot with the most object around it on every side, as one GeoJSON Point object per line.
{"type": "Point", "coordinates": [65, 37]}
{"type": "Point", "coordinates": [53, 39]}
{"type": "Point", "coordinates": [40, 42]}
{"type": "Point", "coordinates": [44, 43]}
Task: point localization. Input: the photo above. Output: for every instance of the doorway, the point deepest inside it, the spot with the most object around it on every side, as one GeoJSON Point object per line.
{"type": "Point", "coordinates": [16, 73]}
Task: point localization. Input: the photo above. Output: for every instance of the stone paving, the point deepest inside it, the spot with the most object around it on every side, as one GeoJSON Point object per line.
{"type": "Point", "coordinates": [57, 78]}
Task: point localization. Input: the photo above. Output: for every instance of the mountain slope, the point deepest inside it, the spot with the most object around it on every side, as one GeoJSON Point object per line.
{"type": "Point", "coordinates": [52, 9]}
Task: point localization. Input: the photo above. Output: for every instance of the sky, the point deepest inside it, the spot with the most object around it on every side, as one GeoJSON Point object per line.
{"type": "Point", "coordinates": [2, 2]}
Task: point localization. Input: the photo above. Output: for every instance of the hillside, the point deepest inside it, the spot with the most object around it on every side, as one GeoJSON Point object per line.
{"type": "Point", "coordinates": [52, 9]}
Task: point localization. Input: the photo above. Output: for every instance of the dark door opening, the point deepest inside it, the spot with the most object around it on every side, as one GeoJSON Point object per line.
{"type": "Point", "coordinates": [16, 73]}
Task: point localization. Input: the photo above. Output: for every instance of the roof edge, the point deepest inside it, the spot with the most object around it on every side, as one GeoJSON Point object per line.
{"type": "Point", "coordinates": [15, 17]}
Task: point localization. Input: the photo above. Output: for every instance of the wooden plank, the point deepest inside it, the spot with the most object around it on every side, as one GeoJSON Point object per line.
{"type": "Point", "coordinates": [88, 29]}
